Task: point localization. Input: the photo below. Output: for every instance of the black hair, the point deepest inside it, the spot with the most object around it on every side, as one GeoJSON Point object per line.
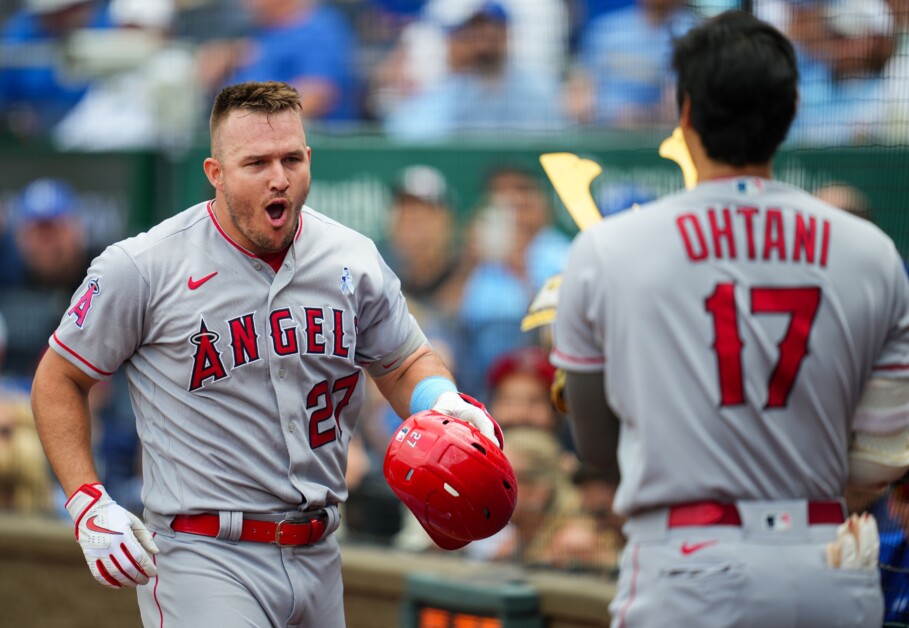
{"type": "Point", "coordinates": [741, 77]}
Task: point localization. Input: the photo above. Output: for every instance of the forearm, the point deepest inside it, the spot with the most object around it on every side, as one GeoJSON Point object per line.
{"type": "Point", "coordinates": [63, 420]}
{"type": "Point", "coordinates": [398, 386]}
{"type": "Point", "coordinates": [594, 425]}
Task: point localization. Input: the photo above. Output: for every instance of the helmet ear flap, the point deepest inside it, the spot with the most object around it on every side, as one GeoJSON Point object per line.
{"type": "Point", "coordinates": [456, 482]}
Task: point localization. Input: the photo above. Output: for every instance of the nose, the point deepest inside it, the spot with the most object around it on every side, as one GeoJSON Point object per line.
{"type": "Point", "coordinates": [277, 179]}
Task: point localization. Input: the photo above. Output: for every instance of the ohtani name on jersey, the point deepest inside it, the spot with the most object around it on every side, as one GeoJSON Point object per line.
{"type": "Point", "coordinates": [321, 333]}
{"type": "Point", "coordinates": [755, 234]}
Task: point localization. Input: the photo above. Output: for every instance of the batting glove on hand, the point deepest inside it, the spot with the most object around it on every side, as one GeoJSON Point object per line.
{"type": "Point", "coordinates": [857, 544]}
{"type": "Point", "coordinates": [466, 408]}
{"type": "Point", "coordinates": [115, 542]}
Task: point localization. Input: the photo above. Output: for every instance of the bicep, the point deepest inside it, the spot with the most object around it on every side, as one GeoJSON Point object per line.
{"type": "Point", "coordinates": [54, 369]}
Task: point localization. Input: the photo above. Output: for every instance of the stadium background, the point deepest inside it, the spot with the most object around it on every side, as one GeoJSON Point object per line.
{"type": "Point", "coordinates": [356, 165]}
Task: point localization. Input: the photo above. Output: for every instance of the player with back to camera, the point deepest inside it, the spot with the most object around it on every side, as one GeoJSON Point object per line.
{"type": "Point", "coordinates": [245, 325]}
{"type": "Point", "coordinates": [739, 353]}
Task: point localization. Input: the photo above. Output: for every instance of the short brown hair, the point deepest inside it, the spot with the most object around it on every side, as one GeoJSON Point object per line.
{"type": "Point", "coordinates": [260, 97]}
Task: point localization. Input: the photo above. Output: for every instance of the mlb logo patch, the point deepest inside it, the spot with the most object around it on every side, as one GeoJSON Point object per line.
{"type": "Point", "coordinates": [401, 434]}
{"type": "Point", "coordinates": [777, 521]}
{"type": "Point", "coordinates": [749, 186]}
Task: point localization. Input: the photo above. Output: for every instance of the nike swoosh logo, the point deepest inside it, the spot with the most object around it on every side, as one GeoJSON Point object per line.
{"type": "Point", "coordinates": [695, 547]}
{"type": "Point", "coordinates": [94, 527]}
{"type": "Point", "coordinates": [390, 364]}
{"type": "Point", "coordinates": [195, 284]}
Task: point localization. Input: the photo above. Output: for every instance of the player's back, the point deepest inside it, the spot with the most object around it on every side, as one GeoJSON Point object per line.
{"type": "Point", "coordinates": [751, 315]}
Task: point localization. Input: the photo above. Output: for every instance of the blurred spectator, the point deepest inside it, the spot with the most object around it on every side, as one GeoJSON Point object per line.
{"type": "Point", "coordinates": [200, 21]}
{"type": "Point", "coordinates": [306, 43]}
{"type": "Point", "coordinates": [537, 43]}
{"type": "Point", "coordinates": [483, 91]}
{"type": "Point", "coordinates": [49, 235]}
{"type": "Point", "coordinates": [149, 99]}
{"type": "Point", "coordinates": [423, 243]}
{"type": "Point", "coordinates": [846, 197]}
{"type": "Point", "coordinates": [548, 528]}
{"type": "Point", "coordinates": [519, 382]}
{"type": "Point", "coordinates": [36, 86]}
{"type": "Point", "coordinates": [623, 78]}
{"type": "Point", "coordinates": [25, 479]}
{"type": "Point", "coordinates": [842, 55]}
{"type": "Point", "coordinates": [518, 249]}
{"type": "Point", "coordinates": [52, 250]}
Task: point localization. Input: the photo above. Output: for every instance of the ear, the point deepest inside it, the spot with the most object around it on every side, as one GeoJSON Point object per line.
{"type": "Point", "coordinates": [213, 171]}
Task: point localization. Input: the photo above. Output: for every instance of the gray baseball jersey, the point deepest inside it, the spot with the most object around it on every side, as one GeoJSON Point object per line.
{"type": "Point", "coordinates": [737, 324]}
{"type": "Point", "coordinates": [246, 382]}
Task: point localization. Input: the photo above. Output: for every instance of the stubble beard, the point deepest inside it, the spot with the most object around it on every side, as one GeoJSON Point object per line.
{"type": "Point", "coordinates": [238, 211]}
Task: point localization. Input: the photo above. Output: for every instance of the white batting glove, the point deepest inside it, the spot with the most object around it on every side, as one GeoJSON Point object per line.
{"type": "Point", "coordinates": [468, 409]}
{"type": "Point", "coordinates": [116, 544]}
{"type": "Point", "coordinates": [857, 544]}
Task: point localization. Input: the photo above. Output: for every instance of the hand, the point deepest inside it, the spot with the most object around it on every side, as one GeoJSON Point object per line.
{"type": "Point", "coordinates": [115, 542]}
{"type": "Point", "coordinates": [857, 544]}
{"type": "Point", "coordinates": [461, 406]}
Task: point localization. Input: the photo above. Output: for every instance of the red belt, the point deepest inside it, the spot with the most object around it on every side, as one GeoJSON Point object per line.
{"type": "Point", "coordinates": [281, 533]}
{"type": "Point", "coordinates": [722, 514]}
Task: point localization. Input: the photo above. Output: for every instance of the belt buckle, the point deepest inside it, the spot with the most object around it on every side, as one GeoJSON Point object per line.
{"type": "Point", "coordinates": [279, 532]}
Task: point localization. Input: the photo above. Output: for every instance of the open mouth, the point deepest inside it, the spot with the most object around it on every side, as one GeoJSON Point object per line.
{"type": "Point", "coordinates": [277, 212]}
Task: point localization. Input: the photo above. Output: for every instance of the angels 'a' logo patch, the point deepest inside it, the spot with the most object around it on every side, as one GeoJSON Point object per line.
{"type": "Point", "coordinates": [80, 310]}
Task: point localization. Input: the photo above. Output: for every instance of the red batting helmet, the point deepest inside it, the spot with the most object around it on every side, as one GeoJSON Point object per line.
{"type": "Point", "coordinates": [457, 483]}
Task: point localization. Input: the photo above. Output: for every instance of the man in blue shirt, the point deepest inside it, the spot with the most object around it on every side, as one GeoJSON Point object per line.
{"type": "Point", "coordinates": [35, 90]}
{"type": "Point", "coordinates": [483, 92]}
{"type": "Point", "coordinates": [301, 42]}
{"type": "Point", "coordinates": [624, 73]}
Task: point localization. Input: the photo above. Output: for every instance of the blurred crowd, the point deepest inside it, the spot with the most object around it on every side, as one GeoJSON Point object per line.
{"type": "Point", "coordinates": [120, 74]}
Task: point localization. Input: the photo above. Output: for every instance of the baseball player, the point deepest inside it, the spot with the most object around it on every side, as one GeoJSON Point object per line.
{"type": "Point", "coordinates": [244, 325]}
{"type": "Point", "coordinates": [738, 353]}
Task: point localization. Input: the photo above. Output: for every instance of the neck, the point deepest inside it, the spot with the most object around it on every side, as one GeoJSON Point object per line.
{"type": "Point", "coordinates": [715, 170]}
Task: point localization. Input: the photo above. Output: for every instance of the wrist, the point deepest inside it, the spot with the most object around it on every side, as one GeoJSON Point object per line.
{"type": "Point", "coordinates": [84, 498]}
{"type": "Point", "coordinates": [428, 390]}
